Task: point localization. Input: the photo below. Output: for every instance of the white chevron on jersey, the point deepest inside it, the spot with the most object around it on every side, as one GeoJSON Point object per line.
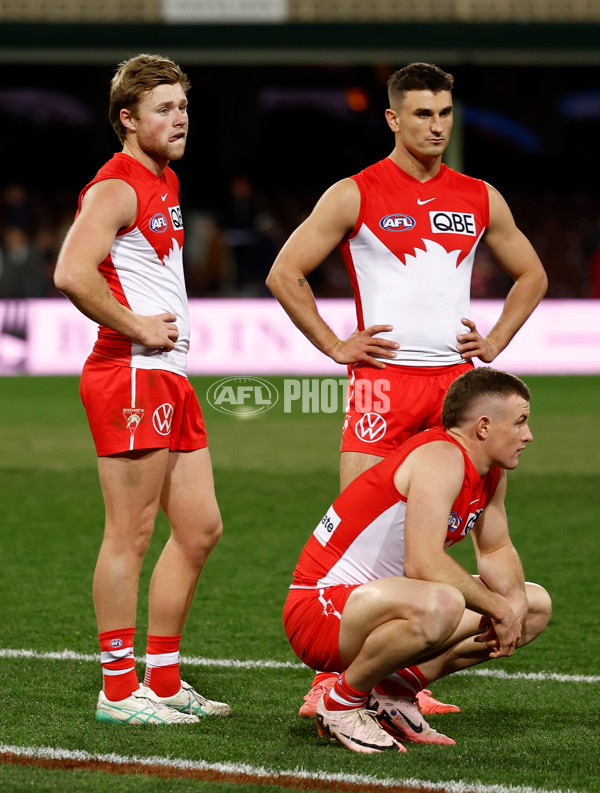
{"type": "Point", "coordinates": [410, 260]}
{"type": "Point", "coordinates": [152, 286]}
{"type": "Point", "coordinates": [377, 552]}
{"type": "Point", "coordinates": [423, 297]}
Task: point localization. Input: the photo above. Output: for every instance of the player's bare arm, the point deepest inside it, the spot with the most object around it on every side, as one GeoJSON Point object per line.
{"type": "Point", "coordinates": [107, 207]}
{"type": "Point", "coordinates": [498, 562]}
{"type": "Point", "coordinates": [516, 255]}
{"type": "Point", "coordinates": [431, 478]}
{"type": "Point", "coordinates": [500, 570]}
{"type": "Point", "coordinates": [333, 217]}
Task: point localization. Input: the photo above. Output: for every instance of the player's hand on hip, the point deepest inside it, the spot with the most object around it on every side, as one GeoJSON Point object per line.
{"type": "Point", "coordinates": [158, 331]}
{"type": "Point", "coordinates": [473, 345]}
{"type": "Point", "coordinates": [363, 345]}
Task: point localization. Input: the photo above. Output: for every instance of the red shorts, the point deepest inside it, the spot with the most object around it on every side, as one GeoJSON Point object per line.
{"type": "Point", "coordinates": [386, 406]}
{"type": "Point", "coordinates": [131, 409]}
{"type": "Point", "coordinates": [311, 618]}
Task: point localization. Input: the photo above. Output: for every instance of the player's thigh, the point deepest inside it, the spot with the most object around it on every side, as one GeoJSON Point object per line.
{"type": "Point", "coordinates": [131, 486]}
{"type": "Point", "coordinates": [188, 495]}
{"type": "Point", "coordinates": [352, 464]}
{"type": "Point", "coordinates": [386, 599]}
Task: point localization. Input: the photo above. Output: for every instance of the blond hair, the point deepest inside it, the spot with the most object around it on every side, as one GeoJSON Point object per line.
{"type": "Point", "coordinates": [134, 78]}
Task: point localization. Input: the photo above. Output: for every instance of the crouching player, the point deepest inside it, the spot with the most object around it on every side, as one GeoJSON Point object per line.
{"type": "Point", "coordinates": [375, 593]}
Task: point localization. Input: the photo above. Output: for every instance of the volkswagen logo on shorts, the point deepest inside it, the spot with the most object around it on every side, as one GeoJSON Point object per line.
{"type": "Point", "coordinates": [372, 427]}
{"type": "Point", "coordinates": [242, 396]}
{"type": "Point", "coordinates": [162, 418]}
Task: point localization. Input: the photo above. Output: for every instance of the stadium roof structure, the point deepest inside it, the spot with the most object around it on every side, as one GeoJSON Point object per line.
{"type": "Point", "coordinates": [306, 43]}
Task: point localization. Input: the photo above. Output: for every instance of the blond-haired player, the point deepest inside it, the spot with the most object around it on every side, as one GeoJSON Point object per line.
{"type": "Point", "coordinates": [121, 265]}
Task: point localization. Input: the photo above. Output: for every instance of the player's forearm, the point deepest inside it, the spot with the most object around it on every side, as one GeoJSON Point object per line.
{"type": "Point", "coordinates": [522, 299]}
{"type": "Point", "coordinates": [91, 295]}
{"type": "Point", "coordinates": [502, 572]}
{"type": "Point", "coordinates": [296, 297]}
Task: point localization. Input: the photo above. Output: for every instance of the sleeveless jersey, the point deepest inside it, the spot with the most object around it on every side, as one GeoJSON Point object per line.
{"type": "Point", "coordinates": [410, 258]}
{"type": "Point", "coordinates": [361, 536]}
{"type": "Point", "coordinates": [144, 268]}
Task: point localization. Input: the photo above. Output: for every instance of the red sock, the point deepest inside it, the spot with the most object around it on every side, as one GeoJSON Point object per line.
{"type": "Point", "coordinates": [162, 665]}
{"type": "Point", "coordinates": [119, 678]}
{"type": "Point", "coordinates": [343, 697]}
{"type": "Point", "coordinates": [404, 683]}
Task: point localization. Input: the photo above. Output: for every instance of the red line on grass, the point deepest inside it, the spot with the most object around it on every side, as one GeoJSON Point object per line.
{"type": "Point", "coordinates": [210, 775]}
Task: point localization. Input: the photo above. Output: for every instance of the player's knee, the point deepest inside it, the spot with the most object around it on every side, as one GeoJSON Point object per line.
{"type": "Point", "coordinates": [539, 612]}
{"type": "Point", "coordinates": [124, 538]}
{"type": "Point", "coordinates": [213, 531]}
{"type": "Point", "coordinates": [142, 540]}
{"type": "Point", "coordinates": [450, 607]}
{"type": "Point", "coordinates": [199, 546]}
{"type": "Point", "coordinates": [441, 613]}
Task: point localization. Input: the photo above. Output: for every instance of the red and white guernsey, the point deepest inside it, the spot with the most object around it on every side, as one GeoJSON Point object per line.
{"type": "Point", "coordinates": [361, 536]}
{"type": "Point", "coordinates": [144, 268]}
{"type": "Point", "coordinates": [410, 258]}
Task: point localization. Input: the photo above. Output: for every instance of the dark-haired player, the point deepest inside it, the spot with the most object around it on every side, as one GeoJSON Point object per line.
{"type": "Point", "coordinates": [375, 593]}
{"type": "Point", "coordinates": [408, 227]}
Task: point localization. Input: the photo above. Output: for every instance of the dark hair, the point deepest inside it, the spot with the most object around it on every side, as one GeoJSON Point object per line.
{"type": "Point", "coordinates": [134, 78]}
{"type": "Point", "coordinates": [476, 383]}
{"type": "Point", "coordinates": [418, 77]}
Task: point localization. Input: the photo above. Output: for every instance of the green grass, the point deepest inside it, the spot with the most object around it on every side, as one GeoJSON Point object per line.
{"type": "Point", "coordinates": [275, 475]}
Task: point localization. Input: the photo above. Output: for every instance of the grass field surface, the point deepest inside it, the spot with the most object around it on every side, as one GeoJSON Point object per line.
{"type": "Point", "coordinates": [532, 723]}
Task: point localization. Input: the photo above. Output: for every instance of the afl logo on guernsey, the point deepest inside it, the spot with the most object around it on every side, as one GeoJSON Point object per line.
{"type": "Point", "coordinates": [397, 222]}
{"type": "Point", "coordinates": [454, 521]}
{"type": "Point", "coordinates": [158, 223]}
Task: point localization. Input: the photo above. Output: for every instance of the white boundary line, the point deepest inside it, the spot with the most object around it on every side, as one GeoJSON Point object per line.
{"type": "Point", "coordinates": [69, 655]}
{"type": "Point", "coordinates": [260, 773]}
{"type": "Point", "coordinates": [232, 663]}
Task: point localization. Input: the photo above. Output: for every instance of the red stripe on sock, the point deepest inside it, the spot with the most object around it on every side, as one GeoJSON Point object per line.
{"type": "Point", "coordinates": [343, 696]}
{"type": "Point", "coordinates": [405, 683]}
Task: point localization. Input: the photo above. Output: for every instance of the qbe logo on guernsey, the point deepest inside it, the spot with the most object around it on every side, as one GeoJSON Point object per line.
{"type": "Point", "coordinates": [453, 223]}
{"type": "Point", "coordinates": [242, 396]}
{"type": "Point", "coordinates": [176, 217]}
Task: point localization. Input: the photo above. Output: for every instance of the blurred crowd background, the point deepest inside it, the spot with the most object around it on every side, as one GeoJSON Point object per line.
{"type": "Point", "coordinates": [268, 136]}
